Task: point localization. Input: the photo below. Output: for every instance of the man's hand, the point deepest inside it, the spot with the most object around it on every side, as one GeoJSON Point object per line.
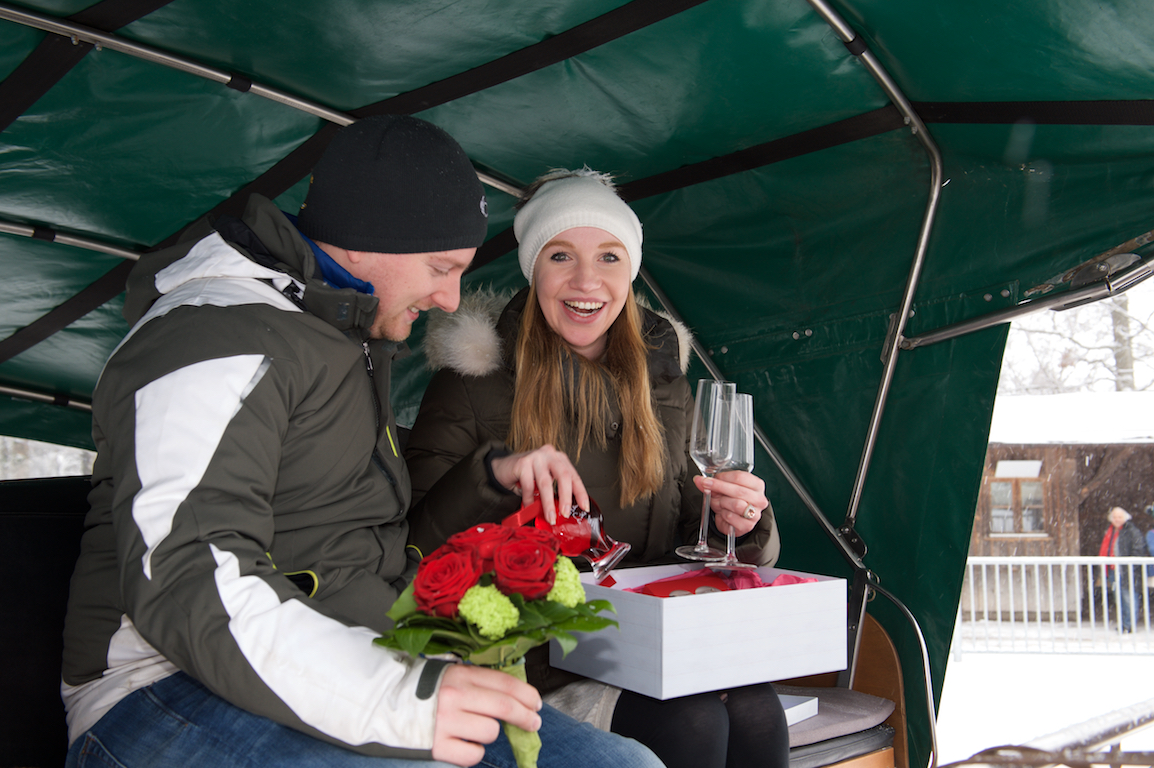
{"type": "Point", "coordinates": [470, 705]}
{"type": "Point", "coordinates": [537, 471]}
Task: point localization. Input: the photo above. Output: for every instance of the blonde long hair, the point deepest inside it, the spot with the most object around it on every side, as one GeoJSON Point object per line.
{"type": "Point", "coordinates": [563, 399]}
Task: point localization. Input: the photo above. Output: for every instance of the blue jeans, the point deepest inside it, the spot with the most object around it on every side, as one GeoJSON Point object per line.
{"type": "Point", "coordinates": [177, 722]}
{"type": "Point", "coordinates": [1124, 584]}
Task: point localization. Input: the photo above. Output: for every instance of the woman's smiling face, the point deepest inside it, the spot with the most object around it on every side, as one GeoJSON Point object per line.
{"type": "Point", "coordinates": [582, 277]}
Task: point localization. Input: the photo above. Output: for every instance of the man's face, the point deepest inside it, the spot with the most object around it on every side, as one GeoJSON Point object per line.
{"type": "Point", "coordinates": [407, 284]}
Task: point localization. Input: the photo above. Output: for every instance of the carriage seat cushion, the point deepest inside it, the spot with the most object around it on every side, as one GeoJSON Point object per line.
{"type": "Point", "coordinates": [834, 751]}
{"type": "Point", "coordinates": [840, 712]}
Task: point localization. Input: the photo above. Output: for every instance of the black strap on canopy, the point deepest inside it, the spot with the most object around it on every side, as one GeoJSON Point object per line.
{"type": "Point", "coordinates": [584, 37]}
{"type": "Point", "coordinates": [1137, 112]}
{"type": "Point", "coordinates": [862, 126]}
{"type": "Point", "coordinates": [293, 167]}
{"type": "Point", "coordinates": [56, 55]}
{"type": "Point", "coordinates": [823, 137]}
{"type": "Point", "coordinates": [95, 295]}
{"type": "Point", "coordinates": [51, 60]}
{"type": "Point", "coordinates": [35, 76]}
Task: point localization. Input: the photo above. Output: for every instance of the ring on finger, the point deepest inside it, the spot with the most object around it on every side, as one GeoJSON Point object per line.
{"type": "Point", "coordinates": [749, 512]}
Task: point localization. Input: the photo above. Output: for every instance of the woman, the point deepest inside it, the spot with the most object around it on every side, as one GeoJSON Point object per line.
{"type": "Point", "coordinates": [574, 383]}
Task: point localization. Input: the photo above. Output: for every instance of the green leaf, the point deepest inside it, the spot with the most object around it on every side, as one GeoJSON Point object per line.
{"type": "Point", "coordinates": [413, 641]}
{"type": "Point", "coordinates": [404, 605]}
{"type": "Point", "coordinates": [458, 638]}
{"type": "Point", "coordinates": [503, 652]}
{"type": "Point", "coordinates": [566, 641]}
{"type": "Point", "coordinates": [551, 613]}
{"type": "Point", "coordinates": [601, 605]}
{"type": "Point", "coordinates": [536, 615]}
{"type": "Point", "coordinates": [585, 624]}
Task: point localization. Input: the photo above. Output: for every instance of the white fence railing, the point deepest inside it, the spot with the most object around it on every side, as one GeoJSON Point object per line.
{"type": "Point", "coordinates": [1056, 605]}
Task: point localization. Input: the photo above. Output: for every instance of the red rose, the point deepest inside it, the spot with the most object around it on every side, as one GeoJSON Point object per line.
{"type": "Point", "coordinates": [482, 539]}
{"type": "Point", "coordinates": [443, 579]}
{"type": "Point", "coordinates": [543, 535]}
{"type": "Point", "coordinates": [524, 564]}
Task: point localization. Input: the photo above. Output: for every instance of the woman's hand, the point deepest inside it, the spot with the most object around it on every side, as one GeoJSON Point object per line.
{"type": "Point", "coordinates": [738, 499]}
{"type": "Point", "coordinates": [540, 470]}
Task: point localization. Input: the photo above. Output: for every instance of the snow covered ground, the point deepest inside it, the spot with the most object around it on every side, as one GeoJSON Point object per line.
{"type": "Point", "coordinates": [995, 699]}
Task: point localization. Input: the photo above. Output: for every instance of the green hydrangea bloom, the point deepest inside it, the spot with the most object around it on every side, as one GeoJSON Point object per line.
{"type": "Point", "coordinates": [567, 588]}
{"type": "Point", "coordinates": [491, 612]}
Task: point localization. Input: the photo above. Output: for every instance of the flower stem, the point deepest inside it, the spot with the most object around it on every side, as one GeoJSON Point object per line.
{"type": "Point", "coordinates": [526, 744]}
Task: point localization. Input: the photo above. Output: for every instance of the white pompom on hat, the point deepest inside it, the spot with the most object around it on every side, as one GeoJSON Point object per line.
{"type": "Point", "coordinates": [586, 199]}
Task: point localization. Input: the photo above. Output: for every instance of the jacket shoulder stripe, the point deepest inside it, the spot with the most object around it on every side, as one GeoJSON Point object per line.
{"type": "Point", "coordinates": [180, 419]}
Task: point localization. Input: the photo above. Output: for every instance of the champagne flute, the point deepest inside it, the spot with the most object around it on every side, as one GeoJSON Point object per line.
{"type": "Point", "coordinates": [741, 457]}
{"type": "Point", "coordinates": [710, 446]}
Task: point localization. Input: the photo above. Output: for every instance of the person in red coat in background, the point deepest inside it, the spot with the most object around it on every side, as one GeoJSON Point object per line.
{"type": "Point", "coordinates": [1122, 539]}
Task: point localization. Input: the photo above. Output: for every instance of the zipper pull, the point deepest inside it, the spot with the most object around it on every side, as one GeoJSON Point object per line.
{"type": "Point", "coordinates": [368, 357]}
{"type": "Point", "coordinates": [293, 294]}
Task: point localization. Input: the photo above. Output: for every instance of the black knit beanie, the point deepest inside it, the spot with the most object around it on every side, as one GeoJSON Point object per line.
{"type": "Point", "coordinates": [394, 184]}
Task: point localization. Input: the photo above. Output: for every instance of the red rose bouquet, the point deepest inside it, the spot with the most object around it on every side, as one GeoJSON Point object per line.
{"type": "Point", "coordinates": [487, 596]}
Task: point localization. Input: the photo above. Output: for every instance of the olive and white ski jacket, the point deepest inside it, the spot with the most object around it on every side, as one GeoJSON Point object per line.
{"type": "Point", "coordinates": [248, 510]}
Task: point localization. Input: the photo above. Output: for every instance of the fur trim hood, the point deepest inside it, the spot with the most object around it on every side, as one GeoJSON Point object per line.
{"type": "Point", "coordinates": [470, 343]}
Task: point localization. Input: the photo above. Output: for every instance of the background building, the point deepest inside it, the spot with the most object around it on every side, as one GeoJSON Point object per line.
{"type": "Point", "coordinates": [1056, 464]}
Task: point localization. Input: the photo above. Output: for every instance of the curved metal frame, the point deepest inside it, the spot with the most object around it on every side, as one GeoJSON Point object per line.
{"type": "Point", "coordinates": [893, 340]}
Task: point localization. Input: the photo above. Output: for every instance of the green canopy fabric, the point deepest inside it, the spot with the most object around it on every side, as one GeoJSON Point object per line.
{"type": "Point", "coordinates": [781, 192]}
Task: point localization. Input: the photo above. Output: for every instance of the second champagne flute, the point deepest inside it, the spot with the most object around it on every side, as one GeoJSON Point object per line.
{"type": "Point", "coordinates": [740, 457]}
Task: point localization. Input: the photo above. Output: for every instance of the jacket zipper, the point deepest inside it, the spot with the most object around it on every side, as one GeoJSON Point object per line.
{"type": "Point", "coordinates": [377, 459]}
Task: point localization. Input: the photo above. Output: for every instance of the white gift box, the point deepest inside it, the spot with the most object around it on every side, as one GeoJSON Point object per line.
{"type": "Point", "coordinates": [675, 646]}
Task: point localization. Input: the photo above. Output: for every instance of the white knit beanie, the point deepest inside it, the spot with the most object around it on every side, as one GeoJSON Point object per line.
{"type": "Point", "coordinates": [585, 200]}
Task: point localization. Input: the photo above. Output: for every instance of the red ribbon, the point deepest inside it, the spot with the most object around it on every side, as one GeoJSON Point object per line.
{"type": "Point", "coordinates": [523, 515]}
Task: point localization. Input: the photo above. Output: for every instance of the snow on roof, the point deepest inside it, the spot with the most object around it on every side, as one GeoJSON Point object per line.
{"type": "Point", "coordinates": [1078, 417]}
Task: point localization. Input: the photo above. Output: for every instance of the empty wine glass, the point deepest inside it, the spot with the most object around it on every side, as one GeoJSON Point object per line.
{"type": "Point", "coordinates": [741, 457]}
{"type": "Point", "coordinates": [710, 445]}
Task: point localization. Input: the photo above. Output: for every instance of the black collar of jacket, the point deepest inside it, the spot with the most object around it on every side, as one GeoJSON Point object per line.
{"type": "Point", "coordinates": [345, 309]}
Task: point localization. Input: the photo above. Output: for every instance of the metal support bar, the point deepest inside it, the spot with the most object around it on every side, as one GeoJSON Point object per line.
{"type": "Point", "coordinates": [794, 481]}
{"type": "Point", "coordinates": [894, 339]}
{"type": "Point", "coordinates": [79, 33]}
{"type": "Point", "coordinates": [53, 236]}
{"type": "Point", "coordinates": [1111, 286]}
{"type": "Point", "coordinates": [40, 397]}
{"type": "Point", "coordinates": [927, 675]}
{"type": "Point", "coordinates": [855, 619]}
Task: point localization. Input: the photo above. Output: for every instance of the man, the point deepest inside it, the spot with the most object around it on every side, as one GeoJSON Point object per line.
{"type": "Point", "coordinates": [1123, 539]}
{"type": "Point", "coordinates": [247, 531]}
